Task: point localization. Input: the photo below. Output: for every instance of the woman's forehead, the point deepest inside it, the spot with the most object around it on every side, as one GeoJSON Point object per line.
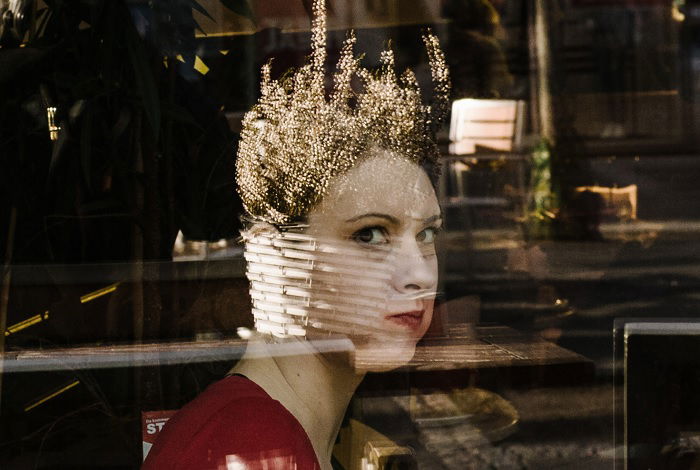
{"type": "Point", "coordinates": [381, 184]}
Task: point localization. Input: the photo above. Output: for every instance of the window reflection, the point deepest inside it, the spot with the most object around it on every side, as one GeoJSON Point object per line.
{"type": "Point", "coordinates": [125, 287]}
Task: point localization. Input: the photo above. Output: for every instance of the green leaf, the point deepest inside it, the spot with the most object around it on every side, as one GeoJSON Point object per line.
{"type": "Point", "coordinates": [122, 123]}
{"type": "Point", "coordinates": [86, 146]}
{"type": "Point", "coordinates": [240, 7]}
{"type": "Point", "coordinates": [179, 114]}
{"type": "Point", "coordinates": [57, 152]}
{"type": "Point", "coordinates": [43, 19]}
{"type": "Point", "coordinates": [196, 6]}
{"type": "Point", "coordinates": [76, 110]}
{"type": "Point", "coordinates": [145, 83]}
{"type": "Point", "coordinates": [102, 206]}
{"type": "Point", "coordinates": [199, 28]}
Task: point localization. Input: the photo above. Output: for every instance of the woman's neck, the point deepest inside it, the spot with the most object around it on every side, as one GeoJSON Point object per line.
{"type": "Point", "coordinates": [315, 388]}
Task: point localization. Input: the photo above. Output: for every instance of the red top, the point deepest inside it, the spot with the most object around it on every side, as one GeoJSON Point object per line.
{"type": "Point", "coordinates": [232, 421]}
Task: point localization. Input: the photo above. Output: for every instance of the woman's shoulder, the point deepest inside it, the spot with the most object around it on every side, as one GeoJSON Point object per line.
{"type": "Point", "coordinates": [232, 419]}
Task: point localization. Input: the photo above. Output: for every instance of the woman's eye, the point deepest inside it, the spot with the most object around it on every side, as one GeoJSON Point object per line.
{"type": "Point", "coordinates": [427, 235]}
{"type": "Point", "coordinates": [371, 236]}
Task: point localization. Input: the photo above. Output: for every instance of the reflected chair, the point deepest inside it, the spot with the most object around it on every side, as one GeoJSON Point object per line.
{"type": "Point", "coordinates": [484, 166]}
{"type": "Point", "coordinates": [491, 124]}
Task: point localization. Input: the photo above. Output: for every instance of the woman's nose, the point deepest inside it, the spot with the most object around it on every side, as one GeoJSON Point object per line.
{"type": "Point", "coordinates": [415, 269]}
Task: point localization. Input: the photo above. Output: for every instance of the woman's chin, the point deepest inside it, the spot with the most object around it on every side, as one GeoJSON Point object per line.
{"type": "Point", "coordinates": [375, 356]}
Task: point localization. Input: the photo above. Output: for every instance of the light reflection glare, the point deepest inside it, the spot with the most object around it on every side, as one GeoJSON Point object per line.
{"type": "Point", "coordinates": [244, 333]}
{"type": "Point", "coordinates": [233, 462]}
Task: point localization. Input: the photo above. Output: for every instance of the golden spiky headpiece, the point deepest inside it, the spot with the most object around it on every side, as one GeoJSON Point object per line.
{"type": "Point", "coordinates": [295, 141]}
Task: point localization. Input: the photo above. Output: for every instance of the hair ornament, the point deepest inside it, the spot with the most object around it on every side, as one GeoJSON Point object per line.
{"type": "Point", "coordinates": [294, 141]}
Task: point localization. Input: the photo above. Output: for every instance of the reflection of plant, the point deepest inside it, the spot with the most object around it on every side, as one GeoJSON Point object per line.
{"type": "Point", "coordinates": [142, 151]}
{"type": "Point", "coordinates": [544, 202]}
{"type": "Point", "coordinates": [129, 125]}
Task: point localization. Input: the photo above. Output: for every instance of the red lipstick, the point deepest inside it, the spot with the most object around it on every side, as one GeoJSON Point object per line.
{"type": "Point", "coordinates": [411, 320]}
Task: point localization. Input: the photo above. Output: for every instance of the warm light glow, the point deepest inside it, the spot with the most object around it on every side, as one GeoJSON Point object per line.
{"type": "Point", "coordinates": [244, 333]}
{"type": "Point", "coordinates": [200, 66]}
{"type": "Point", "coordinates": [676, 14]}
{"type": "Point", "coordinates": [99, 293]}
{"type": "Point", "coordinates": [53, 128]}
{"type": "Point", "coordinates": [26, 323]}
{"type": "Point", "coordinates": [53, 395]}
{"type": "Point", "coordinates": [233, 462]}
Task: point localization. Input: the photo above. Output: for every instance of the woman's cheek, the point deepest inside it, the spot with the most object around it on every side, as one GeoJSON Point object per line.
{"type": "Point", "coordinates": [429, 306]}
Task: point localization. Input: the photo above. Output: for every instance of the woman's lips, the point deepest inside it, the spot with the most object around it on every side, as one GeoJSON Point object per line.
{"type": "Point", "coordinates": [411, 320]}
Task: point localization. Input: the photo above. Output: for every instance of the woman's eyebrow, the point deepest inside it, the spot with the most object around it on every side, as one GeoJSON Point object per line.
{"type": "Point", "coordinates": [432, 219]}
{"type": "Point", "coordinates": [389, 218]}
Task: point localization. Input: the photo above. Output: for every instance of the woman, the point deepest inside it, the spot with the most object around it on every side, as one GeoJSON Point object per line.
{"type": "Point", "coordinates": [340, 254]}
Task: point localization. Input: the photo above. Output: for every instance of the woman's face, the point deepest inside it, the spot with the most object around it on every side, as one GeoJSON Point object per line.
{"type": "Point", "coordinates": [377, 225]}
